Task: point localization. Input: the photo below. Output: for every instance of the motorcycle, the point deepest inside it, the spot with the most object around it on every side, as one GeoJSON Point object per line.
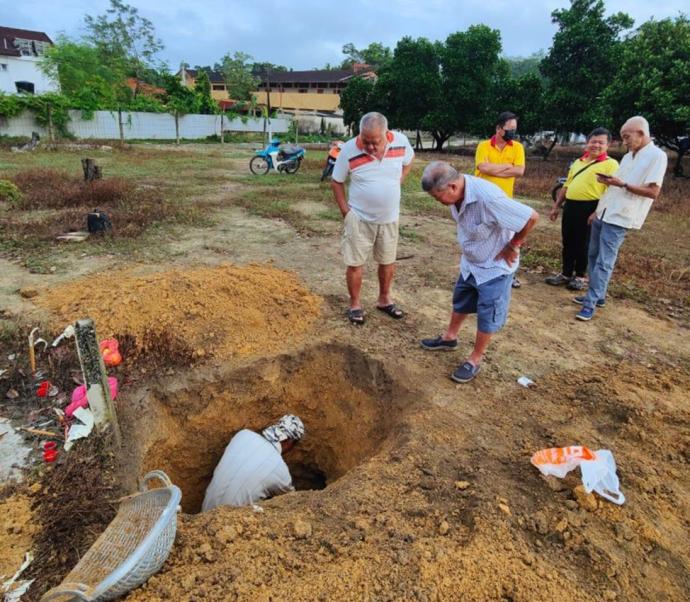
{"type": "Point", "coordinates": [282, 158]}
{"type": "Point", "coordinates": [333, 153]}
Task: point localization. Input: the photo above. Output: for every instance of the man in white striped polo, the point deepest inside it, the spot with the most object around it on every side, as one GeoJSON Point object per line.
{"type": "Point", "coordinates": [377, 161]}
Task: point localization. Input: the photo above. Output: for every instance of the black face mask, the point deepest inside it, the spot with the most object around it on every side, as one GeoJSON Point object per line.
{"type": "Point", "coordinates": [510, 134]}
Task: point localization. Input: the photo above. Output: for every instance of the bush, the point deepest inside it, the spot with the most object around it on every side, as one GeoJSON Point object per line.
{"type": "Point", "coordinates": [130, 209]}
{"type": "Point", "coordinates": [10, 193]}
{"type": "Point", "coordinates": [51, 189]}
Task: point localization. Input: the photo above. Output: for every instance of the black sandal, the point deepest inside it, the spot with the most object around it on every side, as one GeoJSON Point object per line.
{"type": "Point", "coordinates": [393, 311]}
{"type": "Point", "coordinates": [356, 316]}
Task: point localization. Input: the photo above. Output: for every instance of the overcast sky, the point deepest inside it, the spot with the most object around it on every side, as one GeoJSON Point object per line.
{"type": "Point", "coordinates": [306, 34]}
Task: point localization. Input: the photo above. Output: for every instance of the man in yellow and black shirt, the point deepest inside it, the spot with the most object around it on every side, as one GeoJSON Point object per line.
{"type": "Point", "coordinates": [579, 197]}
{"type": "Point", "coordinates": [501, 158]}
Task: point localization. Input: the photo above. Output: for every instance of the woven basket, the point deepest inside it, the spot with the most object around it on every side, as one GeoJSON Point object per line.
{"type": "Point", "coordinates": [133, 547]}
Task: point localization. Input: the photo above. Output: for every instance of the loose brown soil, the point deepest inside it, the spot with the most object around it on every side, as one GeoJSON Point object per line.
{"type": "Point", "coordinates": [450, 507]}
{"type": "Point", "coordinates": [217, 312]}
{"type": "Point", "coordinates": [16, 530]}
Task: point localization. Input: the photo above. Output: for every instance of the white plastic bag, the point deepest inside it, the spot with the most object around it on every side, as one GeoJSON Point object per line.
{"type": "Point", "coordinates": [598, 468]}
{"type": "Point", "coordinates": [600, 475]}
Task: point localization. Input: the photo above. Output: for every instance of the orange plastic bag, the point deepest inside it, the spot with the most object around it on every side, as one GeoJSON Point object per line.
{"type": "Point", "coordinates": [598, 468]}
{"type": "Point", "coordinates": [110, 350]}
{"type": "Point", "coordinates": [559, 461]}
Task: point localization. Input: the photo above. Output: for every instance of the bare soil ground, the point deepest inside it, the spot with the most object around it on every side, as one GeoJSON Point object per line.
{"type": "Point", "coordinates": [429, 492]}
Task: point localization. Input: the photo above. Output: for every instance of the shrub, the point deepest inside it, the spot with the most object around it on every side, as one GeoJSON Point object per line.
{"type": "Point", "coordinates": [10, 193]}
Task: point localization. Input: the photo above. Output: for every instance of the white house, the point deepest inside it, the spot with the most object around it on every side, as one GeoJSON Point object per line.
{"type": "Point", "coordinates": [20, 52]}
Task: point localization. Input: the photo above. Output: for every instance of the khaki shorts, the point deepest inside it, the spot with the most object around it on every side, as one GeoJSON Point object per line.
{"type": "Point", "coordinates": [359, 238]}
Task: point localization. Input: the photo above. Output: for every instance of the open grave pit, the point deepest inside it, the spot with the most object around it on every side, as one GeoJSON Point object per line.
{"type": "Point", "coordinates": [349, 403]}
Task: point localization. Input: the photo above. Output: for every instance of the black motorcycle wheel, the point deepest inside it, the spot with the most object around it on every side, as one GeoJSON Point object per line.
{"type": "Point", "coordinates": [293, 166]}
{"type": "Point", "coordinates": [327, 171]}
{"type": "Point", "coordinates": [259, 165]}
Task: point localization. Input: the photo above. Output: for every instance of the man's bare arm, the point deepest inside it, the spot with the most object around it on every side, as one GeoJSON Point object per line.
{"type": "Point", "coordinates": [512, 250]}
{"type": "Point", "coordinates": [338, 189]}
{"type": "Point", "coordinates": [405, 170]}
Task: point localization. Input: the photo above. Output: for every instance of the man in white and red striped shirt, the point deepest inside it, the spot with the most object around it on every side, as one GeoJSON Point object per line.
{"type": "Point", "coordinates": [377, 162]}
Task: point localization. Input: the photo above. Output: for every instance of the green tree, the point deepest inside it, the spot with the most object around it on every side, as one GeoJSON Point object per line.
{"type": "Point", "coordinates": [125, 40]}
{"type": "Point", "coordinates": [653, 79]}
{"type": "Point", "coordinates": [356, 100]}
{"type": "Point", "coordinates": [415, 66]}
{"type": "Point", "coordinates": [523, 95]}
{"type": "Point", "coordinates": [84, 78]}
{"type": "Point", "coordinates": [178, 100]}
{"type": "Point", "coordinates": [581, 61]}
{"type": "Point", "coordinates": [259, 69]}
{"type": "Point", "coordinates": [202, 88]}
{"type": "Point", "coordinates": [470, 65]}
{"type": "Point", "coordinates": [524, 65]}
{"type": "Point", "coordinates": [376, 54]}
{"type": "Point", "coordinates": [237, 72]}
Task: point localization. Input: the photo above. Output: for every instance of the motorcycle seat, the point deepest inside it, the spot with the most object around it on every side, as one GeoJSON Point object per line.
{"type": "Point", "coordinates": [290, 149]}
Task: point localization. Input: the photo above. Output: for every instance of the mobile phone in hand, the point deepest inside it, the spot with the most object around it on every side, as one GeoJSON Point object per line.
{"type": "Point", "coordinates": [603, 175]}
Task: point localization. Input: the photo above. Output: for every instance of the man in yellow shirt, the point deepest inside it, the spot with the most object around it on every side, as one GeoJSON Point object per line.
{"type": "Point", "coordinates": [501, 158]}
{"type": "Point", "coordinates": [579, 197]}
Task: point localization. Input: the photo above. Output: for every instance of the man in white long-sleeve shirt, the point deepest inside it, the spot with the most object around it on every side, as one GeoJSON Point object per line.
{"type": "Point", "coordinates": [252, 467]}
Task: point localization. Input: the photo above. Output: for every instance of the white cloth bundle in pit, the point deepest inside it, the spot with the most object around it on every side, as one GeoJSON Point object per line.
{"type": "Point", "coordinates": [250, 470]}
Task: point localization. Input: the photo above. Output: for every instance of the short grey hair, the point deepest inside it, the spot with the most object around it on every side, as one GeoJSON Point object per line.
{"type": "Point", "coordinates": [437, 175]}
{"type": "Point", "coordinates": [373, 121]}
{"type": "Point", "coordinates": [639, 123]}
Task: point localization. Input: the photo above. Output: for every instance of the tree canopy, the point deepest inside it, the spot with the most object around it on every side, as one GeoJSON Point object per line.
{"type": "Point", "coordinates": [653, 79]}
{"type": "Point", "coordinates": [376, 55]}
{"type": "Point", "coordinates": [582, 60]}
{"type": "Point", "coordinates": [237, 72]}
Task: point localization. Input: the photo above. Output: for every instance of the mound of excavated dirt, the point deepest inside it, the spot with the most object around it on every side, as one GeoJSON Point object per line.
{"type": "Point", "coordinates": [216, 311]}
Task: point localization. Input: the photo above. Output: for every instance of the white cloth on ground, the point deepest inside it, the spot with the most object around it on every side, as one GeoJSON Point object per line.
{"type": "Point", "coordinates": [250, 470]}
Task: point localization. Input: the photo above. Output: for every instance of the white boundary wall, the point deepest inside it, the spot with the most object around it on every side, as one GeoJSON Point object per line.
{"type": "Point", "coordinates": [138, 125]}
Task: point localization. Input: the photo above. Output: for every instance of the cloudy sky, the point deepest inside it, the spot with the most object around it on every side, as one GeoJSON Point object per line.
{"type": "Point", "coordinates": [307, 34]}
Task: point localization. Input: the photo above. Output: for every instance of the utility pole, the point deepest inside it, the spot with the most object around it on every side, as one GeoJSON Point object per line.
{"type": "Point", "coordinates": [268, 102]}
{"type": "Point", "coordinates": [268, 89]}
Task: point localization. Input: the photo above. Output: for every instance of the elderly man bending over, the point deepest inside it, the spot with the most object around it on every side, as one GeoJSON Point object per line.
{"type": "Point", "coordinates": [252, 467]}
{"type": "Point", "coordinates": [491, 229]}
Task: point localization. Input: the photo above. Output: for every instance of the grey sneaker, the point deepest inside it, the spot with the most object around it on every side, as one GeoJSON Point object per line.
{"type": "Point", "coordinates": [581, 299]}
{"type": "Point", "coordinates": [557, 280]}
{"type": "Point", "coordinates": [576, 284]}
{"type": "Point", "coordinates": [465, 373]}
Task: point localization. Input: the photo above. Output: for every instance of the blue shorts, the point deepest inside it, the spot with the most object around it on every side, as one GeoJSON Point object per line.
{"type": "Point", "coordinates": [489, 300]}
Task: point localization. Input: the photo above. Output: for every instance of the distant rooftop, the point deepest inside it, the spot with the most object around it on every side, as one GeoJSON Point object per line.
{"type": "Point", "coordinates": [215, 77]}
{"type": "Point", "coordinates": [22, 42]}
{"type": "Point", "coordinates": [326, 76]}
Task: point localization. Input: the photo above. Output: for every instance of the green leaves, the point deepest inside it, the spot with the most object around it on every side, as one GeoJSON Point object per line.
{"type": "Point", "coordinates": [202, 88]}
{"type": "Point", "coordinates": [580, 64]}
{"type": "Point", "coordinates": [237, 72]}
{"type": "Point", "coordinates": [356, 100]}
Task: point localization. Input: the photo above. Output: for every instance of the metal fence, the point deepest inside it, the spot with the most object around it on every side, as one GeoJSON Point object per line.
{"type": "Point", "coordinates": [106, 125]}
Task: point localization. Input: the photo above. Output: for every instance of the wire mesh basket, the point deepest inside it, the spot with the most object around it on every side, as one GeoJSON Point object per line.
{"type": "Point", "coordinates": [133, 547]}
